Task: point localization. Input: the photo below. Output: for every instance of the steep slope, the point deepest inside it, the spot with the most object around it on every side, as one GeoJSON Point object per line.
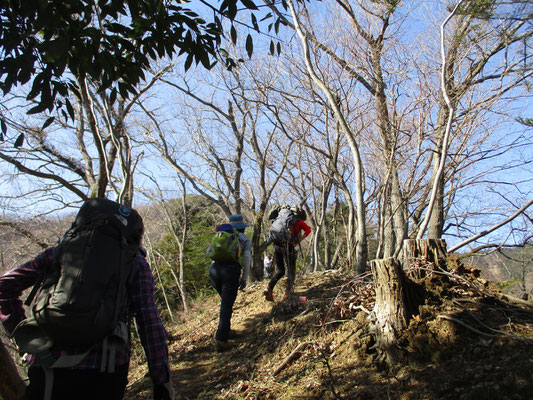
{"type": "Point", "coordinates": [468, 342]}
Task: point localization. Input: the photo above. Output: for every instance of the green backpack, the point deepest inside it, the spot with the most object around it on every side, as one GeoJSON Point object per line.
{"type": "Point", "coordinates": [225, 244]}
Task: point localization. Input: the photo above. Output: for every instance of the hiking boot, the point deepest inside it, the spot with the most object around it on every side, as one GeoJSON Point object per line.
{"type": "Point", "coordinates": [289, 294]}
{"type": "Point", "coordinates": [233, 334]}
{"type": "Point", "coordinates": [223, 346]}
{"type": "Point", "coordinates": [269, 296]}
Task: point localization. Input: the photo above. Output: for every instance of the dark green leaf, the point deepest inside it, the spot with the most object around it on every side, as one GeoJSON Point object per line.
{"type": "Point", "coordinates": [19, 141]}
{"type": "Point", "coordinates": [249, 4]}
{"type": "Point", "coordinates": [188, 62]}
{"type": "Point", "coordinates": [123, 89]}
{"type": "Point", "coordinates": [224, 5]}
{"type": "Point", "coordinates": [38, 108]}
{"type": "Point", "coordinates": [4, 125]}
{"type": "Point", "coordinates": [272, 48]}
{"type": "Point", "coordinates": [249, 45]}
{"type": "Point", "coordinates": [204, 59]}
{"type": "Point", "coordinates": [48, 122]}
{"type": "Point", "coordinates": [233, 34]}
{"type": "Point", "coordinates": [279, 48]}
{"type": "Point", "coordinates": [75, 90]}
{"type": "Point", "coordinates": [70, 109]}
{"type": "Point", "coordinates": [230, 63]}
{"type": "Point", "coordinates": [269, 15]}
{"type": "Point", "coordinates": [232, 10]}
{"type": "Point", "coordinates": [56, 49]}
{"type": "Point", "coordinates": [254, 23]}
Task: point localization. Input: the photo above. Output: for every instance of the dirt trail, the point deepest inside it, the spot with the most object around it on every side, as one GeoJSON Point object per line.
{"type": "Point", "coordinates": [489, 356]}
{"type": "Point", "coordinates": [199, 372]}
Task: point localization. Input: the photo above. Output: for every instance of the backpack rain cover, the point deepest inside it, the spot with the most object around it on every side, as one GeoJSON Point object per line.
{"type": "Point", "coordinates": [225, 245]}
{"type": "Point", "coordinates": [280, 232]}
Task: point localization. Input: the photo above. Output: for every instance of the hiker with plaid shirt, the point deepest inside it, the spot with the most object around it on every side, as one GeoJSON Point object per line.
{"type": "Point", "coordinates": [84, 380]}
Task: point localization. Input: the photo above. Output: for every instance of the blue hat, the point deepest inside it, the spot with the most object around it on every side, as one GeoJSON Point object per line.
{"type": "Point", "coordinates": [237, 221]}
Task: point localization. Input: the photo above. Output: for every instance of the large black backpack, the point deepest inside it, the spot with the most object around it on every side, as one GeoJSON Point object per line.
{"type": "Point", "coordinates": [280, 232]}
{"type": "Point", "coordinates": [83, 296]}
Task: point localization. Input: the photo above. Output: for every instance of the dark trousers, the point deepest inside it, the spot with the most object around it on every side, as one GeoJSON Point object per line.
{"type": "Point", "coordinates": [284, 255]}
{"type": "Point", "coordinates": [79, 384]}
{"type": "Point", "coordinates": [225, 279]}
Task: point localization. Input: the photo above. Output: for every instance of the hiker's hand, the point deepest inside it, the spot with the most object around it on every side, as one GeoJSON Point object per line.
{"type": "Point", "coordinates": [164, 391]}
{"type": "Point", "coordinates": [242, 284]}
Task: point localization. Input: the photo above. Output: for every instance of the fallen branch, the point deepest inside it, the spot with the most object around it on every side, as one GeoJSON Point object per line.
{"type": "Point", "coordinates": [500, 333]}
{"type": "Point", "coordinates": [336, 321]}
{"type": "Point", "coordinates": [362, 309]}
{"type": "Point", "coordinates": [458, 321]}
{"type": "Point", "coordinates": [515, 300]}
{"type": "Point", "coordinates": [291, 357]}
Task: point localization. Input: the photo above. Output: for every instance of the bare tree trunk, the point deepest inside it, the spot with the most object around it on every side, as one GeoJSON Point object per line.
{"type": "Point", "coordinates": [361, 248]}
{"type": "Point", "coordinates": [11, 385]}
{"type": "Point", "coordinates": [336, 257]}
{"type": "Point", "coordinates": [350, 229]}
{"type": "Point", "coordinates": [163, 291]}
{"type": "Point", "coordinates": [181, 257]}
{"type": "Point", "coordinates": [327, 244]}
{"type": "Point", "coordinates": [387, 239]}
{"type": "Point", "coordinates": [395, 224]}
{"type": "Point", "coordinates": [256, 268]}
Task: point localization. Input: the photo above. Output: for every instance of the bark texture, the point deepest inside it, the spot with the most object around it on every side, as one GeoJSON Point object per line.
{"type": "Point", "coordinates": [422, 256]}
{"type": "Point", "coordinates": [390, 315]}
{"type": "Point", "coordinates": [400, 292]}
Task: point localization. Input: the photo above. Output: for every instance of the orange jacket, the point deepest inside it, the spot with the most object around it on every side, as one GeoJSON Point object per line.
{"type": "Point", "coordinates": [299, 226]}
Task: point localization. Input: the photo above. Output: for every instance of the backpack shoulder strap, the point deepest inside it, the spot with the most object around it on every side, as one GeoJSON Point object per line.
{"type": "Point", "coordinates": [39, 282]}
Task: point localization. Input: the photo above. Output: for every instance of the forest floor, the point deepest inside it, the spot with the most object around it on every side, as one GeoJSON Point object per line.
{"type": "Point", "coordinates": [469, 341]}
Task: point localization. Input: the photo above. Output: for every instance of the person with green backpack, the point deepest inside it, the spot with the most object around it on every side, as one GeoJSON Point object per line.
{"type": "Point", "coordinates": [231, 252]}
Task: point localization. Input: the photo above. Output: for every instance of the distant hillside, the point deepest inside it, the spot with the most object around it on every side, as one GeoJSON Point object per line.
{"type": "Point", "coordinates": [21, 243]}
{"type": "Point", "coordinates": [511, 268]}
{"type": "Point", "coordinates": [17, 247]}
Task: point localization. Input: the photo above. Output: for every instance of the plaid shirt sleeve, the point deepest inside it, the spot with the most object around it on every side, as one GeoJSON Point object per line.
{"type": "Point", "coordinates": [151, 330]}
{"type": "Point", "coordinates": [14, 282]}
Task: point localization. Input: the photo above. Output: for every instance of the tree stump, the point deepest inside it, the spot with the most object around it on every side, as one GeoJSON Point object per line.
{"type": "Point", "coordinates": [390, 313]}
{"type": "Point", "coordinates": [11, 385]}
{"type": "Point", "coordinates": [397, 296]}
{"type": "Point", "coordinates": [422, 256]}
